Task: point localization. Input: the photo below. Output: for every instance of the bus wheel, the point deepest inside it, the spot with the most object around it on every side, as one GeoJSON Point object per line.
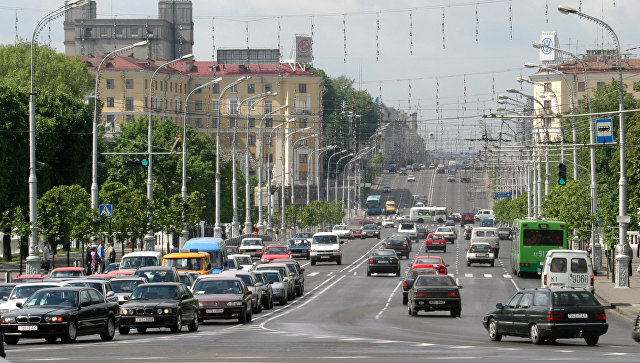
{"type": "Point", "coordinates": [420, 220]}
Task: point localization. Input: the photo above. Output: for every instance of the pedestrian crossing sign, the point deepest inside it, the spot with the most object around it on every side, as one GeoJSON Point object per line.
{"type": "Point", "coordinates": [106, 210]}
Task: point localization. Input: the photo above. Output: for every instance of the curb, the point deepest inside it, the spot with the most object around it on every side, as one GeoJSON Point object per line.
{"type": "Point", "coordinates": [622, 311]}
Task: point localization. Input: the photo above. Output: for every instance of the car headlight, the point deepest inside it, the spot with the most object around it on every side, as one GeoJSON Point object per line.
{"type": "Point", "coordinates": [167, 311]}
{"type": "Point", "coordinates": [54, 319]}
{"type": "Point", "coordinates": [126, 312]}
{"type": "Point", "coordinates": [159, 311]}
{"type": "Point", "coordinates": [336, 251]}
{"type": "Point", "coordinates": [264, 260]}
{"type": "Point", "coordinates": [234, 303]}
{"type": "Point", "coordinates": [9, 320]}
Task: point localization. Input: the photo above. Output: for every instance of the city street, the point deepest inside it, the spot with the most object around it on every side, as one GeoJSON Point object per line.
{"type": "Point", "coordinates": [345, 315]}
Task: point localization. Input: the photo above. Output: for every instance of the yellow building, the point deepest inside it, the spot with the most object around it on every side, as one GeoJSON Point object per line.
{"type": "Point", "coordinates": [124, 91]}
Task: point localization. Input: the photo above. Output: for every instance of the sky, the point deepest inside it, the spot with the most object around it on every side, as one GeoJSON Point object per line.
{"type": "Point", "coordinates": [396, 50]}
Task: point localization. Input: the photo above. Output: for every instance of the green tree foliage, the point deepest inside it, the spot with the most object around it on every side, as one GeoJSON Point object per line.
{"type": "Point", "coordinates": [569, 203]}
{"type": "Point", "coordinates": [507, 209]}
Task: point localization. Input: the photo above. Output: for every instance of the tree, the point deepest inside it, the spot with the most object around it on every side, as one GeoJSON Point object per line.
{"type": "Point", "coordinates": [130, 219]}
{"type": "Point", "coordinates": [570, 203]}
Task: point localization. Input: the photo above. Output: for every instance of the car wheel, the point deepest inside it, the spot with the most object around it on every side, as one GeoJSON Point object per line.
{"type": "Point", "coordinates": [409, 309]}
{"type": "Point", "coordinates": [339, 261]}
{"type": "Point", "coordinates": [308, 256]}
{"type": "Point", "coordinates": [492, 263]}
{"type": "Point", "coordinates": [313, 263]}
{"type": "Point", "coordinates": [71, 333]}
{"type": "Point", "coordinates": [444, 250]}
{"type": "Point", "coordinates": [195, 324]}
{"type": "Point", "coordinates": [271, 303]}
{"type": "Point", "coordinates": [284, 301]}
{"type": "Point", "coordinates": [494, 336]}
{"type": "Point", "coordinates": [591, 339]}
{"type": "Point", "coordinates": [141, 330]}
{"type": "Point", "coordinates": [414, 312]}
{"type": "Point", "coordinates": [123, 330]}
{"type": "Point", "coordinates": [368, 272]}
{"type": "Point", "coordinates": [254, 308]}
{"type": "Point", "coordinates": [177, 327]}
{"type": "Point", "coordinates": [49, 339]}
{"type": "Point", "coordinates": [11, 339]}
{"type": "Point", "coordinates": [110, 330]}
{"type": "Point", "coordinates": [456, 312]}
{"type": "Point", "coordinates": [398, 272]}
{"type": "Point", "coordinates": [534, 334]}
{"type": "Point", "coordinates": [405, 299]}
{"type": "Point", "coordinates": [242, 318]}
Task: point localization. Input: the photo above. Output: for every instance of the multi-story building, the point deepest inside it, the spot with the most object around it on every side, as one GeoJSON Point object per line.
{"type": "Point", "coordinates": [170, 35]}
{"type": "Point", "coordinates": [124, 90]}
{"type": "Point", "coordinates": [401, 141]}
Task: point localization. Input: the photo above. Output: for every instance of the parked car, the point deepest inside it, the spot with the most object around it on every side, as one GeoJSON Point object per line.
{"type": "Point", "coordinates": [103, 286]}
{"type": "Point", "coordinates": [287, 279]}
{"type": "Point", "coordinates": [296, 272]}
{"type": "Point", "coordinates": [278, 285]}
{"type": "Point", "coordinates": [480, 253]}
{"type": "Point", "coordinates": [5, 289]}
{"type": "Point", "coordinates": [186, 278]}
{"type": "Point", "coordinates": [160, 305]}
{"type": "Point", "coordinates": [62, 312]}
{"type": "Point", "coordinates": [158, 274]}
{"type": "Point", "coordinates": [253, 284]}
{"type": "Point", "coordinates": [548, 314]}
{"type": "Point", "coordinates": [267, 290]}
{"type": "Point", "coordinates": [433, 293]}
{"type": "Point", "coordinates": [399, 245]}
{"type": "Point", "coordinates": [435, 262]}
{"type": "Point", "coordinates": [407, 281]}
{"type": "Point", "coordinates": [383, 261]}
{"type": "Point", "coordinates": [135, 260]}
{"type": "Point", "coordinates": [435, 241]}
{"type": "Point", "coordinates": [22, 291]}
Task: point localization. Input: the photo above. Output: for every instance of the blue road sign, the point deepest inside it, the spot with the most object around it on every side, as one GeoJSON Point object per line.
{"type": "Point", "coordinates": [105, 210]}
{"type": "Point", "coordinates": [498, 195]}
{"type": "Point", "coordinates": [604, 131]}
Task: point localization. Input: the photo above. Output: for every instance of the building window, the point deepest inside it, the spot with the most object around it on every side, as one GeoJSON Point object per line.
{"type": "Point", "coordinates": [251, 88]}
{"type": "Point", "coordinates": [302, 158]}
{"type": "Point", "coordinates": [215, 105]}
{"type": "Point", "coordinates": [215, 88]}
{"type": "Point", "coordinates": [198, 105]}
{"type": "Point", "coordinates": [232, 106]}
{"type": "Point", "coordinates": [302, 88]}
{"type": "Point", "coordinates": [87, 32]}
{"type": "Point", "coordinates": [199, 123]}
{"type": "Point", "coordinates": [198, 90]}
{"type": "Point", "coordinates": [268, 122]}
{"type": "Point", "coordinates": [252, 105]}
{"type": "Point", "coordinates": [111, 84]}
{"type": "Point", "coordinates": [160, 85]}
{"type": "Point", "coordinates": [269, 158]}
{"type": "Point", "coordinates": [302, 175]}
{"type": "Point", "coordinates": [303, 123]}
{"type": "Point", "coordinates": [214, 122]}
{"type": "Point", "coordinates": [600, 85]}
{"type": "Point", "coordinates": [129, 104]}
{"type": "Point", "coordinates": [267, 140]}
{"type": "Point", "coordinates": [103, 31]}
{"type": "Point", "coordinates": [129, 83]}
{"type": "Point", "coordinates": [581, 87]}
{"type": "Point", "coordinates": [580, 104]}
{"type": "Point", "coordinates": [232, 122]}
{"type": "Point", "coordinates": [547, 105]}
{"type": "Point", "coordinates": [170, 86]}
{"type": "Point", "coordinates": [129, 118]}
{"type": "Point", "coordinates": [118, 30]}
{"type": "Point", "coordinates": [111, 119]}
{"type": "Point", "coordinates": [252, 122]}
{"type": "Point", "coordinates": [234, 89]}
{"type": "Point", "coordinates": [110, 102]}
{"type": "Point", "coordinates": [302, 142]}
{"type": "Point", "coordinates": [268, 107]}
{"type": "Point", "coordinates": [547, 86]}
{"type": "Point", "coordinates": [252, 140]}
{"type": "Point", "coordinates": [146, 84]}
{"type": "Point", "coordinates": [134, 30]}
{"type": "Point", "coordinates": [267, 87]}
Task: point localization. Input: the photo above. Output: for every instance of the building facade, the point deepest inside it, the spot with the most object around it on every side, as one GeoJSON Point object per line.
{"type": "Point", "coordinates": [170, 35]}
{"type": "Point", "coordinates": [124, 89]}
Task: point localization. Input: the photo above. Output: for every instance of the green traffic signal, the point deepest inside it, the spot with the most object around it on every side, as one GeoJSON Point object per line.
{"type": "Point", "coordinates": [562, 174]}
{"type": "Point", "coordinates": [144, 162]}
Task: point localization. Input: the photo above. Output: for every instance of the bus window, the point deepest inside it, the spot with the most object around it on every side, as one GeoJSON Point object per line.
{"type": "Point", "coordinates": [552, 238]}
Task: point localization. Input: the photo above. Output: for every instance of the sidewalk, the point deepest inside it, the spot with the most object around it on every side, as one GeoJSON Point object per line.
{"type": "Point", "coordinates": [608, 294]}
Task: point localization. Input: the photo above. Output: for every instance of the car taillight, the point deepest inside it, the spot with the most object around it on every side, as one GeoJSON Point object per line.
{"type": "Point", "coordinates": [405, 285]}
{"type": "Point", "coordinates": [371, 260]}
{"type": "Point", "coordinates": [592, 280]}
{"type": "Point", "coordinates": [452, 293]}
{"type": "Point", "coordinates": [441, 269]}
{"type": "Point", "coordinates": [599, 315]}
{"type": "Point", "coordinates": [544, 279]}
{"type": "Point", "coordinates": [469, 250]}
{"type": "Point", "coordinates": [554, 315]}
{"type": "Point", "coordinates": [418, 293]}
{"type": "Point", "coordinates": [524, 265]}
{"type": "Point", "coordinates": [395, 260]}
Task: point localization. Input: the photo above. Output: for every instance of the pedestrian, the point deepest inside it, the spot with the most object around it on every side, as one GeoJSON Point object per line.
{"type": "Point", "coordinates": [46, 257]}
{"type": "Point", "coordinates": [94, 260]}
{"type": "Point", "coordinates": [111, 254]}
{"type": "Point", "coordinates": [87, 259]}
{"type": "Point", "coordinates": [228, 230]}
{"type": "Point", "coordinates": [101, 256]}
{"type": "Point", "coordinates": [629, 252]}
{"type": "Point", "coordinates": [588, 248]}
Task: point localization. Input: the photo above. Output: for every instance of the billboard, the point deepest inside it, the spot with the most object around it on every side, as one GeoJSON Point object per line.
{"type": "Point", "coordinates": [550, 39]}
{"type": "Point", "coordinates": [304, 49]}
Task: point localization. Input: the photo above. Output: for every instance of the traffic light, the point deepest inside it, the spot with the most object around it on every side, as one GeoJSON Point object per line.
{"type": "Point", "coordinates": [137, 162]}
{"type": "Point", "coordinates": [562, 174]}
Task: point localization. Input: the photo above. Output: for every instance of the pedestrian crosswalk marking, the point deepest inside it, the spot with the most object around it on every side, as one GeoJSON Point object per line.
{"type": "Point", "coordinates": [487, 275]}
{"type": "Point", "coordinates": [313, 274]}
{"type": "Point", "coordinates": [468, 275]}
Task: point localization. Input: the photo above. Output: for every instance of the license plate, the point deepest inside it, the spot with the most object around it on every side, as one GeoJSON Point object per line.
{"type": "Point", "coordinates": [483, 255]}
{"type": "Point", "coordinates": [383, 261]}
{"type": "Point", "coordinates": [577, 316]}
{"type": "Point", "coordinates": [27, 327]}
{"type": "Point", "coordinates": [436, 302]}
{"type": "Point", "coordinates": [215, 311]}
{"type": "Point", "coordinates": [144, 320]}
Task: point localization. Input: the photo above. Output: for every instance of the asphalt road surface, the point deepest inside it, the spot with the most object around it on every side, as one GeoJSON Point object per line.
{"type": "Point", "coordinates": [347, 316]}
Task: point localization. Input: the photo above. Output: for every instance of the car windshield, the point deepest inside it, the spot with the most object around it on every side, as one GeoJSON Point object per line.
{"type": "Point", "coordinates": [232, 264]}
{"type": "Point", "coordinates": [370, 226]}
{"type": "Point", "coordinates": [436, 280]}
{"type": "Point", "coordinates": [53, 297]}
{"type": "Point", "coordinates": [137, 262]}
{"type": "Point", "coordinates": [184, 263]}
{"type": "Point", "coordinates": [444, 229]}
{"type": "Point", "coordinates": [66, 273]}
{"type": "Point", "coordinates": [407, 226]}
{"type": "Point", "coordinates": [252, 242]}
{"type": "Point", "coordinates": [23, 292]}
{"type": "Point", "coordinates": [5, 290]}
{"type": "Point", "coordinates": [95, 285]}
{"type": "Point", "coordinates": [272, 277]}
{"type": "Point", "coordinates": [422, 230]}
{"type": "Point", "coordinates": [339, 228]}
{"type": "Point", "coordinates": [276, 251]}
{"type": "Point", "coordinates": [325, 240]}
{"type": "Point", "coordinates": [383, 253]}
{"type": "Point", "coordinates": [421, 271]}
{"type": "Point", "coordinates": [356, 231]}
{"type": "Point", "coordinates": [156, 275]}
{"type": "Point", "coordinates": [124, 285]}
{"type": "Point", "coordinates": [435, 237]}
{"type": "Point", "coordinates": [304, 235]}
{"type": "Point", "coordinates": [232, 249]}
{"type": "Point", "coordinates": [261, 278]}
{"type": "Point", "coordinates": [283, 270]}
{"type": "Point", "coordinates": [246, 279]}
{"type": "Point", "coordinates": [218, 286]}
{"type": "Point", "coordinates": [480, 248]}
{"type": "Point", "coordinates": [185, 279]}
{"type": "Point", "coordinates": [155, 292]}
{"type": "Point", "coordinates": [243, 260]}
{"type": "Point", "coordinates": [396, 242]}
{"type": "Point", "coordinates": [574, 298]}
{"type": "Point", "coordinates": [428, 261]}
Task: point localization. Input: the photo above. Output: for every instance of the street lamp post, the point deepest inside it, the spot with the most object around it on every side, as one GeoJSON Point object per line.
{"type": "Point", "coordinates": [149, 239]}
{"type": "Point", "coordinates": [283, 230]}
{"type": "Point", "coordinates": [270, 175]}
{"type": "Point", "coordinates": [622, 276]}
{"type": "Point", "coordinates": [217, 230]}
{"type": "Point", "coordinates": [185, 232]}
{"type": "Point", "coordinates": [329, 170]}
{"type": "Point", "coordinates": [362, 153]}
{"type": "Point", "coordinates": [293, 163]}
{"type": "Point", "coordinates": [336, 187]}
{"type": "Point", "coordinates": [260, 161]}
{"type": "Point", "coordinates": [317, 170]}
{"type": "Point", "coordinates": [33, 260]}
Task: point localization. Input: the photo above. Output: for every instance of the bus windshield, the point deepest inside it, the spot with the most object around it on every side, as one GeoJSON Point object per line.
{"type": "Point", "coordinates": [537, 237]}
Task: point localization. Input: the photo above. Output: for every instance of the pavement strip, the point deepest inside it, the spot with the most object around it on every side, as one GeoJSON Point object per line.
{"type": "Point", "coordinates": [388, 300]}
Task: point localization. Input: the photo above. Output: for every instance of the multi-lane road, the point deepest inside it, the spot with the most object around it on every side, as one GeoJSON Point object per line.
{"type": "Point", "coordinates": [345, 315]}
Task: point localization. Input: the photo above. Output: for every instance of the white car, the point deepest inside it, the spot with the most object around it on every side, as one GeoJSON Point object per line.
{"type": "Point", "coordinates": [449, 233]}
{"type": "Point", "coordinates": [21, 293]}
{"type": "Point", "coordinates": [342, 230]}
{"type": "Point", "coordinates": [411, 178]}
{"type": "Point", "coordinates": [242, 260]}
{"type": "Point", "coordinates": [387, 223]}
{"type": "Point", "coordinates": [409, 228]}
{"type": "Point", "coordinates": [480, 253]}
{"type": "Point", "coordinates": [325, 246]}
{"type": "Point", "coordinates": [251, 246]}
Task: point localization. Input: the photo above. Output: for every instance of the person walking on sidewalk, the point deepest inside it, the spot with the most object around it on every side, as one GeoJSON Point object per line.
{"type": "Point", "coordinates": [87, 259]}
{"type": "Point", "coordinates": [46, 257]}
{"type": "Point", "coordinates": [101, 256]}
{"type": "Point", "coordinates": [111, 254]}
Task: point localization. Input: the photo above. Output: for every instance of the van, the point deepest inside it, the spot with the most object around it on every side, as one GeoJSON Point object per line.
{"type": "Point", "coordinates": [486, 235]}
{"type": "Point", "coordinates": [409, 229]}
{"type": "Point", "coordinates": [135, 260]}
{"type": "Point", "coordinates": [567, 269]}
{"type": "Point", "coordinates": [188, 260]}
{"type": "Point", "coordinates": [325, 246]}
{"type": "Point", "coordinates": [484, 214]}
{"type": "Point", "coordinates": [215, 247]}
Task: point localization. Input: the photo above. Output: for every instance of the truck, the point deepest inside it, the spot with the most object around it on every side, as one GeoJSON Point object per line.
{"type": "Point", "coordinates": [466, 218]}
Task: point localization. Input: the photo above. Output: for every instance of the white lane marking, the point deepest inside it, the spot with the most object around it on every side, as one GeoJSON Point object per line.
{"type": "Point", "coordinates": [355, 273]}
{"type": "Point", "coordinates": [351, 339]}
{"type": "Point", "coordinates": [355, 264]}
{"type": "Point", "coordinates": [468, 275]}
{"type": "Point", "coordinates": [313, 274]}
{"type": "Point", "coordinates": [487, 275]}
{"type": "Point", "coordinates": [330, 273]}
{"type": "Point", "coordinates": [388, 300]}
{"type": "Point", "coordinates": [423, 345]}
{"type": "Point", "coordinates": [507, 276]}
{"type": "Point", "coordinates": [514, 284]}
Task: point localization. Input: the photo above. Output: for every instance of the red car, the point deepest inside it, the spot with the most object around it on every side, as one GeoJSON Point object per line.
{"type": "Point", "coordinates": [435, 241]}
{"type": "Point", "coordinates": [62, 272]}
{"type": "Point", "coordinates": [274, 252]}
{"type": "Point", "coordinates": [28, 278]}
{"type": "Point", "coordinates": [435, 262]}
{"type": "Point", "coordinates": [356, 233]}
{"type": "Point", "coordinates": [369, 221]}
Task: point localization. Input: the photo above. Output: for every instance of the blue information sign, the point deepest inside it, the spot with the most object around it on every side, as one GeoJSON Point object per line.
{"type": "Point", "coordinates": [105, 210]}
{"type": "Point", "coordinates": [604, 131]}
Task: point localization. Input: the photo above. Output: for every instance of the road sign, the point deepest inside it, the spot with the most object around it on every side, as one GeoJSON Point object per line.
{"type": "Point", "coordinates": [498, 195]}
{"type": "Point", "coordinates": [106, 210]}
{"type": "Point", "coordinates": [623, 219]}
{"type": "Point", "coordinates": [604, 131]}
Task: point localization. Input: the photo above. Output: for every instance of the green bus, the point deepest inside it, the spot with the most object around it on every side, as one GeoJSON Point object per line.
{"type": "Point", "coordinates": [532, 239]}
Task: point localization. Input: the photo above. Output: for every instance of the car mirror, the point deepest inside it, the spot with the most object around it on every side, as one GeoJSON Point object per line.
{"type": "Point", "coordinates": [85, 303]}
{"type": "Point", "coordinates": [110, 293]}
{"type": "Point", "coordinates": [126, 298]}
{"type": "Point", "coordinates": [5, 298]}
{"type": "Point", "coordinates": [270, 282]}
{"type": "Point", "coordinates": [499, 306]}
{"type": "Point", "coordinates": [447, 265]}
{"type": "Point", "coordinates": [301, 269]}
{"type": "Point", "coordinates": [19, 305]}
